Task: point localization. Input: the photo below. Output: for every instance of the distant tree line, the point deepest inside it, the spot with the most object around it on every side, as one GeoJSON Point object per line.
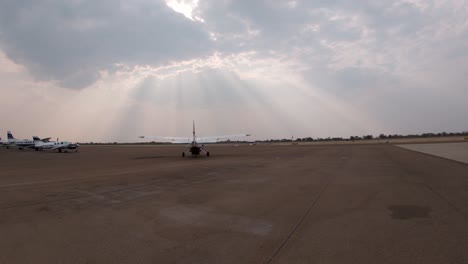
{"type": "Point", "coordinates": [310, 139]}
{"type": "Point", "coordinates": [370, 137]}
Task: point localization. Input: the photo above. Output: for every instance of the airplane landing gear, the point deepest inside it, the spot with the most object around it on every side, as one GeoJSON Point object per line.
{"type": "Point", "coordinates": [208, 154]}
{"type": "Point", "coordinates": [183, 154]}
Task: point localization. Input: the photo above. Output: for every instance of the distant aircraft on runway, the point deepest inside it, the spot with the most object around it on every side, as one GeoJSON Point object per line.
{"type": "Point", "coordinates": [20, 143]}
{"type": "Point", "coordinates": [195, 147]}
{"type": "Point", "coordinates": [43, 144]}
{"type": "Point", "coordinates": [3, 143]}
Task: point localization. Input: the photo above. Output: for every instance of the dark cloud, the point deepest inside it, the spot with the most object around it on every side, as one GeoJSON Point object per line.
{"type": "Point", "coordinates": [70, 41]}
{"type": "Point", "coordinates": [355, 43]}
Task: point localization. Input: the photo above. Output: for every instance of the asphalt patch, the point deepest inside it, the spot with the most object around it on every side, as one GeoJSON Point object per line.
{"type": "Point", "coordinates": [404, 212]}
{"type": "Point", "coordinates": [153, 157]}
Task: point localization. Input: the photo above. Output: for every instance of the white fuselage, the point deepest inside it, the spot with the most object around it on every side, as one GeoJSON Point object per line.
{"type": "Point", "coordinates": [25, 143]}
{"type": "Point", "coordinates": [55, 145]}
{"type": "Point", "coordinates": [45, 145]}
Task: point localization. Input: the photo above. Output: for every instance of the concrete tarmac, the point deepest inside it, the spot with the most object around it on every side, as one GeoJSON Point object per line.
{"type": "Point", "coordinates": [245, 204]}
{"type": "Point", "coordinates": [454, 151]}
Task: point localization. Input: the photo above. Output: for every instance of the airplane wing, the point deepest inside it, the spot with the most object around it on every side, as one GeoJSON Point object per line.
{"type": "Point", "coordinates": [66, 146]}
{"type": "Point", "coordinates": [175, 140]}
{"type": "Point", "coordinates": [45, 139]}
{"type": "Point", "coordinates": [214, 139]}
{"type": "Point", "coordinates": [186, 140]}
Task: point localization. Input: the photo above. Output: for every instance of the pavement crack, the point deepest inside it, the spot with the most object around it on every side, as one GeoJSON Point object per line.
{"type": "Point", "coordinates": [445, 199]}
{"type": "Point", "coordinates": [296, 227]}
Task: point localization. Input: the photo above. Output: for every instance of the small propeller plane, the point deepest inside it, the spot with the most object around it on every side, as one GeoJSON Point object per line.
{"type": "Point", "coordinates": [20, 143]}
{"type": "Point", "coordinates": [196, 147]}
{"type": "Point", "coordinates": [42, 144]}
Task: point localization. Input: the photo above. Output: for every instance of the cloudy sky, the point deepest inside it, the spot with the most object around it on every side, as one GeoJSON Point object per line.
{"type": "Point", "coordinates": [106, 70]}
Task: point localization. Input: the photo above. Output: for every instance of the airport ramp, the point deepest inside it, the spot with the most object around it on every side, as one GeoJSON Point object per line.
{"type": "Point", "coordinates": [453, 151]}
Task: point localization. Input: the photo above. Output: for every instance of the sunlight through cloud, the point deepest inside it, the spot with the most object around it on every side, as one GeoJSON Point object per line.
{"type": "Point", "coordinates": [184, 7]}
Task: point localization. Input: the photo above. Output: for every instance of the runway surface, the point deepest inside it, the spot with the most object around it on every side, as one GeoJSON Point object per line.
{"type": "Point", "coordinates": [245, 204]}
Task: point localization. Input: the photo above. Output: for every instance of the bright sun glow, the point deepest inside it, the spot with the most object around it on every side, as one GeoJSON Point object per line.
{"type": "Point", "coordinates": [184, 7]}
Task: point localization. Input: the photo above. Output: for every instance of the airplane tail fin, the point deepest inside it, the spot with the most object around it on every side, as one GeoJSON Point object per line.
{"type": "Point", "coordinates": [194, 130]}
{"type": "Point", "coordinates": [10, 135]}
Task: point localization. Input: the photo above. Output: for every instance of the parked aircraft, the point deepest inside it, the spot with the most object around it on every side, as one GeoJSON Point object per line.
{"type": "Point", "coordinates": [195, 147]}
{"type": "Point", "coordinates": [3, 143]}
{"type": "Point", "coordinates": [10, 142]}
{"type": "Point", "coordinates": [20, 143]}
{"type": "Point", "coordinates": [44, 144]}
